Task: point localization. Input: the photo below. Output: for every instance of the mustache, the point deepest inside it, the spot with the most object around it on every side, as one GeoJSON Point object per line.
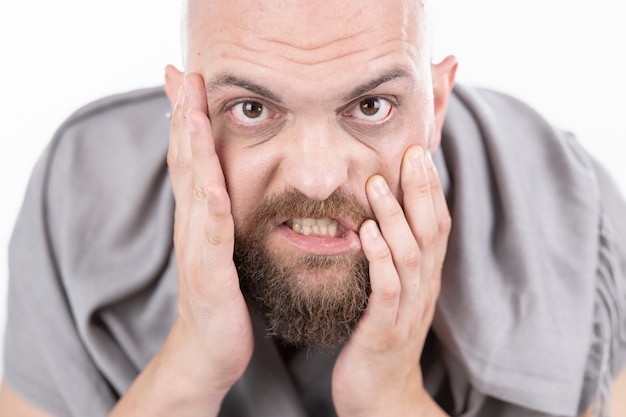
{"type": "Point", "coordinates": [291, 203]}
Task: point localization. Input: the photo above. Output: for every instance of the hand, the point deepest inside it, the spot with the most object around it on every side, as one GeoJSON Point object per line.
{"type": "Point", "coordinates": [378, 371]}
{"type": "Point", "coordinates": [212, 338]}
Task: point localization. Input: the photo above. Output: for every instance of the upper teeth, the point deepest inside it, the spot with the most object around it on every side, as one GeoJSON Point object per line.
{"type": "Point", "coordinates": [321, 227]}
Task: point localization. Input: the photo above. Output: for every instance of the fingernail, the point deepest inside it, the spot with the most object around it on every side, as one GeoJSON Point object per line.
{"type": "Point", "coordinates": [417, 159]}
{"type": "Point", "coordinates": [372, 230]}
{"type": "Point", "coordinates": [380, 186]}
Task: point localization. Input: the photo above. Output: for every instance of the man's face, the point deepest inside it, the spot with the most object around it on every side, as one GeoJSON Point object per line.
{"type": "Point", "coordinates": [307, 100]}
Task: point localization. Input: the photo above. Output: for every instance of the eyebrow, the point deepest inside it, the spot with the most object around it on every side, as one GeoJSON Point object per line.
{"type": "Point", "coordinates": [386, 76]}
{"type": "Point", "coordinates": [229, 80]}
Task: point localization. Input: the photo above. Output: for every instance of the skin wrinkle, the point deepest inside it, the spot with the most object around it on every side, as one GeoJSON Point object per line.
{"type": "Point", "coordinates": [312, 48]}
{"type": "Point", "coordinates": [309, 67]}
{"type": "Point", "coordinates": [280, 60]}
{"type": "Point", "coordinates": [226, 80]}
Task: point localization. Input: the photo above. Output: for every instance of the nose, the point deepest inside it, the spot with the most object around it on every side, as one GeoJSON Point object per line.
{"type": "Point", "coordinates": [316, 160]}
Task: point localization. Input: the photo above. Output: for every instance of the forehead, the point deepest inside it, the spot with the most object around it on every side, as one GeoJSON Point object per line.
{"type": "Point", "coordinates": [305, 46]}
{"type": "Point", "coordinates": [302, 26]}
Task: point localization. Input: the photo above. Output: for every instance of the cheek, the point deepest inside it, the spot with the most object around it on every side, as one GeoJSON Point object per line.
{"type": "Point", "coordinates": [390, 156]}
{"type": "Point", "coordinates": [390, 170]}
{"type": "Point", "coordinates": [248, 173]}
{"type": "Point", "coordinates": [236, 170]}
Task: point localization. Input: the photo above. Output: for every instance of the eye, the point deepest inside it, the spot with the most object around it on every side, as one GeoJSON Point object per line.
{"type": "Point", "coordinates": [250, 112]}
{"type": "Point", "coordinates": [371, 109]}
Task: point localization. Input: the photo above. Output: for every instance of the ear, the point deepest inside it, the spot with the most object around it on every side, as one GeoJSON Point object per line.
{"type": "Point", "coordinates": [443, 81]}
{"type": "Point", "coordinates": [173, 81]}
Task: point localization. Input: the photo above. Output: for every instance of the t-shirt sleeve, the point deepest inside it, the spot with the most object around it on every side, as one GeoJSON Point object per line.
{"type": "Point", "coordinates": [45, 361]}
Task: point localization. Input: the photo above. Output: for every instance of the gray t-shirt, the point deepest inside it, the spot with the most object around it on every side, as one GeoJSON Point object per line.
{"type": "Point", "coordinates": [92, 291]}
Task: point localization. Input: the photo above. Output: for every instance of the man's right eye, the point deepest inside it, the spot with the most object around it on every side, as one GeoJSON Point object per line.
{"type": "Point", "coordinates": [250, 112]}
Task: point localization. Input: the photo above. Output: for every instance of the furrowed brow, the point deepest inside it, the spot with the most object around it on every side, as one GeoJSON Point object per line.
{"type": "Point", "coordinates": [387, 76]}
{"type": "Point", "coordinates": [230, 80]}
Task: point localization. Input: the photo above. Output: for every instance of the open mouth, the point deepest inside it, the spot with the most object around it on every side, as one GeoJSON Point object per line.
{"type": "Point", "coordinates": [325, 227]}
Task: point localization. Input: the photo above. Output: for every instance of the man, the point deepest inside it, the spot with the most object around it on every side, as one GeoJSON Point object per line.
{"type": "Point", "coordinates": [310, 197]}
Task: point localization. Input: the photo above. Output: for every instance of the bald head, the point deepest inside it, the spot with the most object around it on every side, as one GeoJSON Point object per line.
{"type": "Point", "coordinates": [304, 25]}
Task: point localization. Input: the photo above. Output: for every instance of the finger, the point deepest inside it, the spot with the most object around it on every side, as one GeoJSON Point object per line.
{"type": "Point", "coordinates": [175, 128]}
{"type": "Point", "coordinates": [173, 82]}
{"type": "Point", "coordinates": [418, 205]}
{"type": "Point", "coordinates": [382, 307]}
{"type": "Point", "coordinates": [210, 206]}
{"type": "Point", "coordinates": [397, 235]}
{"type": "Point", "coordinates": [440, 205]}
{"type": "Point", "coordinates": [423, 196]}
{"type": "Point", "coordinates": [195, 93]}
{"type": "Point", "coordinates": [210, 221]}
{"type": "Point", "coordinates": [418, 200]}
{"type": "Point", "coordinates": [206, 165]}
{"type": "Point", "coordinates": [176, 168]}
{"type": "Point", "coordinates": [191, 96]}
{"type": "Point", "coordinates": [195, 100]}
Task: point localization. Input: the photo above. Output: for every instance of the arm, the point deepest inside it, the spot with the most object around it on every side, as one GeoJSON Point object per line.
{"type": "Point", "coordinates": [618, 398]}
{"type": "Point", "coordinates": [618, 394]}
{"type": "Point", "coordinates": [211, 341]}
{"type": "Point", "coordinates": [13, 405]}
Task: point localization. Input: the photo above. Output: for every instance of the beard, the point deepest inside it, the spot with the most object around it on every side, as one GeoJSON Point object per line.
{"type": "Point", "coordinates": [306, 300]}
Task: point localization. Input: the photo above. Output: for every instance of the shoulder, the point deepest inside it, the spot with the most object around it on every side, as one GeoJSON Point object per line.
{"type": "Point", "coordinates": [141, 101]}
{"type": "Point", "coordinates": [109, 142]}
{"type": "Point", "coordinates": [133, 121]}
{"type": "Point", "coordinates": [91, 248]}
{"type": "Point", "coordinates": [498, 115]}
{"type": "Point", "coordinates": [508, 131]}
{"type": "Point", "coordinates": [104, 177]}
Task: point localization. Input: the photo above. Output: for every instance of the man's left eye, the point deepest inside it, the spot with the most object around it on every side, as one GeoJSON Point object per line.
{"type": "Point", "coordinates": [372, 109]}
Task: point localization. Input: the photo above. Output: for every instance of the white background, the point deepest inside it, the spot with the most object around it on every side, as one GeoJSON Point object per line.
{"type": "Point", "coordinates": [564, 57]}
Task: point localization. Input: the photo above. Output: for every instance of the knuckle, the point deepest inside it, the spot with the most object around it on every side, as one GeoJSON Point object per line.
{"type": "Point", "coordinates": [395, 212]}
{"type": "Point", "coordinates": [390, 293]}
{"type": "Point", "coordinates": [428, 238]}
{"type": "Point", "coordinates": [199, 194]}
{"type": "Point", "coordinates": [422, 187]}
{"type": "Point", "coordinates": [171, 159]}
{"type": "Point", "coordinates": [445, 223]}
{"type": "Point", "coordinates": [412, 259]}
{"type": "Point", "coordinates": [213, 238]}
{"type": "Point", "coordinates": [178, 164]}
{"type": "Point", "coordinates": [387, 343]}
{"type": "Point", "coordinates": [182, 165]}
{"type": "Point", "coordinates": [382, 254]}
